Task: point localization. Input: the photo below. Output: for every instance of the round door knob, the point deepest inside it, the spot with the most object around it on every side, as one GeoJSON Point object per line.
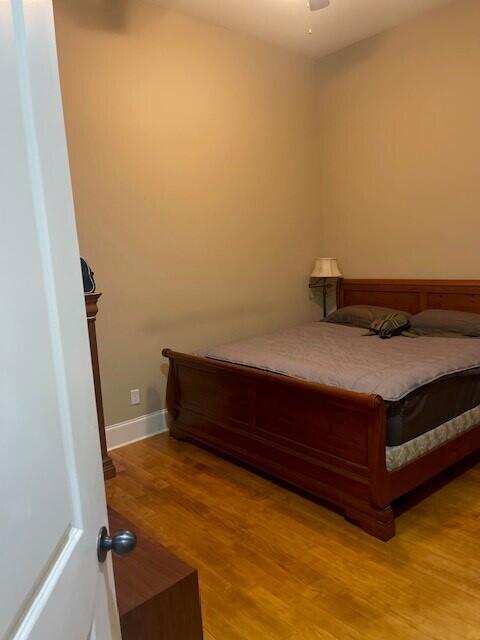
{"type": "Point", "coordinates": [121, 543]}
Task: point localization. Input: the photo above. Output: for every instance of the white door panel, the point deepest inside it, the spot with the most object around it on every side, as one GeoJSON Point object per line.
{"type": "Point", "coordinates": [51, 487]}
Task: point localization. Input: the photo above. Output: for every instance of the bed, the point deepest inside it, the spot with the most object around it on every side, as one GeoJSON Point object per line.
{"type": "Point", "coordinates": [357, 447]}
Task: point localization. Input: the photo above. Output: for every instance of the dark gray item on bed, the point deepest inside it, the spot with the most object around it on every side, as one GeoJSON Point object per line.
{"type": "Point", "coordinates": [394, 324]}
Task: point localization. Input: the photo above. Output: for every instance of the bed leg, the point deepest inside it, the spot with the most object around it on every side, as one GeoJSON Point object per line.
{"type": "Point", "coordinates": [177, 433]}
{"type": "Point", "coordinates": [173, 430]}
{"type": "Point", "coordinates": [379, 523]}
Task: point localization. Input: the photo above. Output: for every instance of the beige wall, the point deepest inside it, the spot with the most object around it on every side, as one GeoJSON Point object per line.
{"type": "Point", "coordinates": [399, 126]}
{"type": "Point", "coordinates": [209, 169]}
{"type": "Point", "coordinates": [193, 157]}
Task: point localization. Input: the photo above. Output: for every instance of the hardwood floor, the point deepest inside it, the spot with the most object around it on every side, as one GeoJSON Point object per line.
{"type": "Point", "coordinates": [275, 566]}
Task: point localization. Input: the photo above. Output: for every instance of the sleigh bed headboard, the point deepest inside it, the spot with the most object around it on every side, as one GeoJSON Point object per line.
{"type": "Point", "coordinates": [411, 295]}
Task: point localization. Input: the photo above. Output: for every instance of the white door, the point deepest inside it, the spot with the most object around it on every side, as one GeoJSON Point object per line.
{"type": "Point", "coordinates": [52, 501]}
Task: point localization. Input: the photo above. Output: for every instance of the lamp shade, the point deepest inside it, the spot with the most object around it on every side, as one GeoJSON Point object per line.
{"type": "Point", "coordinates": [326, 268]}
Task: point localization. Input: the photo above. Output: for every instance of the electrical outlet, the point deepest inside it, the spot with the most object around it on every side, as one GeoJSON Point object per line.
{"type": "Point", "coordinates": [135, 396]}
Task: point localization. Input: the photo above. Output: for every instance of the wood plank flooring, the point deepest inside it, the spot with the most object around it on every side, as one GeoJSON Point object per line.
{"type": "Point", "coordinates": [275, 566]}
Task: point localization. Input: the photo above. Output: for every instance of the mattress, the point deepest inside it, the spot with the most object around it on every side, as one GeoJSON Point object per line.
{"type": "Point", "coordinates": [399, 456]}
{"type": "Point", "coordinates": [425, 382]}
{"type": "Point", "coordinates": [432, 405]}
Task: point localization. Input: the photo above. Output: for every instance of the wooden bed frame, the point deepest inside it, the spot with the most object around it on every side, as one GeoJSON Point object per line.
{"type": "Point", "coordinates": [326, 441]}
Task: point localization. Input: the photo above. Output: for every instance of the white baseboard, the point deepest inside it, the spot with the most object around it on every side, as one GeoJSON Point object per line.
{"type": "Point", "coordinates": [123, 433]}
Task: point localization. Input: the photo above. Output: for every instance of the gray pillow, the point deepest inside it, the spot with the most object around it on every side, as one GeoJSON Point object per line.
{"type": "Point", "coordinates": [361, 315]}
{"type": "Point", "coordinates": [441, 322]}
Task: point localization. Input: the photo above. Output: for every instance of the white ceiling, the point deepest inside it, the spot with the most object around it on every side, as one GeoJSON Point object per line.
{"type": "Point", "coordinates": [287, 22]}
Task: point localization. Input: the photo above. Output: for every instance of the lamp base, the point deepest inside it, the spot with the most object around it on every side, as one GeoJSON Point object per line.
{"type": "Point", "coordinates": [325, 285]}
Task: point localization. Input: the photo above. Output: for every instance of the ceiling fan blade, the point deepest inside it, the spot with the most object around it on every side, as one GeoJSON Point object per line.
{"type": "Point", "coordinates": [315, 5]}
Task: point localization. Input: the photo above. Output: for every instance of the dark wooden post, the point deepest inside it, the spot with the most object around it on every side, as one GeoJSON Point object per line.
{"type": "Point", "coordinates": [91, 300]}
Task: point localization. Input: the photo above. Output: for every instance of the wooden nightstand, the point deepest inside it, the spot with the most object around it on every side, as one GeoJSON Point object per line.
{"type": "Point", "coordinates": [157, 594]}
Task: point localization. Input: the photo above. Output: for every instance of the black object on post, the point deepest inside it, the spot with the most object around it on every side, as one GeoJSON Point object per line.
{"type": "Point", "coordinates": [87, 276]}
